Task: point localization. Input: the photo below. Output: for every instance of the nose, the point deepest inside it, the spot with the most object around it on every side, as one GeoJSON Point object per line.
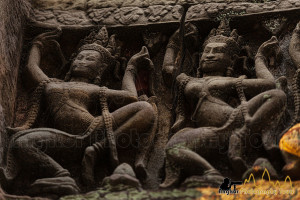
{"type": "Point", "coordinates": [210, 55]}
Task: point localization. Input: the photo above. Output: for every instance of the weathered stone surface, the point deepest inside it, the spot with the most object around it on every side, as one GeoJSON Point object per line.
{"type": "Point", "coordinates": [136, 12]}
{"type": "Point", "coordinates": [12, 23]}
{"type": "Point", "coordinates": [61, 17]}
{"type": "Point", "coordinates": [201, 193]}
{"type": "Point", "coordinates": [128, 15]}
{"type": "Point", "coordinates": [135, 15]}
{"type": "Point", "coordinates": [59, 4]}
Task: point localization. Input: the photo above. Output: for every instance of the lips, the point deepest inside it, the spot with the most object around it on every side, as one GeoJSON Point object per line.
{"type": "Point", "coordinates": [210, 61]}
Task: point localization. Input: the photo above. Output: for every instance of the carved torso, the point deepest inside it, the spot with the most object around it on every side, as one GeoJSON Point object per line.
{"type": "Point", "coordinates": [216, 100]}
{"type": "Point", "coordinates": [72, 105]}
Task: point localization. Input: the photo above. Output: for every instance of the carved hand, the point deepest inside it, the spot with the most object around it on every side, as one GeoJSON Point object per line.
{"type": "Point", "coordinates": [179, 123]}
{"type": "Point", "coordinates": [269, 48]}
{"type": "Point", "coordinates": [141, 60]}
{"type": "Point", "coordinates": [48, 38]}
{"type": "Point", "coordinates": [297, 29]}
{"type": "Point", "coordinates": [294, 48]}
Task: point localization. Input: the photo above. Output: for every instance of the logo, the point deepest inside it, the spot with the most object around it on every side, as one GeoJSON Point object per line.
{"type": "Point", "coordinates": [225, 187]}
{"type": "Point", "coordinates": [253, 187]}
{"type": "Point", "coordinates": [276, 188]}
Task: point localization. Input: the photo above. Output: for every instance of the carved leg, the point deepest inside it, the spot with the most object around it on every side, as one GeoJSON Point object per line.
{"type": "Point", "coordinates": [172, 175]}
{"type": "Point", "coordinates": [235, 151]}
{"type": "Point", "coordinates": [32, 149]}
{"type": "Point", "coordinates": [187, 160]}
{"type": "Point", "coordinates": [187, 149]}
{"type": "Point", "coordinates": [28, 153]}
{"type": "Point", "coordinates": [265, 109]}
{"type": "Point", "coordinates": [88, 163]}
{"type": "Point", "coordinates": [91, 155]}
{"type": "Point", "coordinates": [137, 118]}
{"type": "Point", "coordinates": [145, 142]}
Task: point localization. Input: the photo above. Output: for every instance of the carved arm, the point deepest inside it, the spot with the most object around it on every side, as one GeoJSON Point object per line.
{"type": "Point", "coordinates": [267, 50]}
{"type": "Point", "coordinates": [294, 48]}
{"type": "Point", "coordinates": [33, 71]}
{"type": "Point", "coordinates": [141, 59]}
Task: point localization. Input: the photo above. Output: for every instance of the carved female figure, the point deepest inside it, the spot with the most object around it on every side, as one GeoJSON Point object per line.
{"type": "Point", "coordinates": [289, 143]}
{"type": "Point", "coordinates": [80, 112]}
{"type": "Point", "coordinates": [217, 120]}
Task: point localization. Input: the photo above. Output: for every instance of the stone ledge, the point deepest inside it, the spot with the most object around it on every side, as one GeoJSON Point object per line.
{"type": "Point", "coordinates": [245, 192]}
{"type": "Point", "coordinates": [138, 15]}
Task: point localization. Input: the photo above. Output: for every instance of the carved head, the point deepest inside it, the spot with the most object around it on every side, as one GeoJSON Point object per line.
{"type": "Point", "coordinates": [97, 54]}
{"type": "Point", "coordinates": [219, 52]}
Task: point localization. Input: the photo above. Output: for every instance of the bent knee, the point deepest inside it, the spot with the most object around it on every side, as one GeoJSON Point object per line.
{"type": "Point", "coordinates": [147, 110]}
{"type": "Point", "coordinates": [21, 144]}
{"type": "Point", "coordinates": [172, 151]}
{"type": "Point", "coordinates": [278, 96]}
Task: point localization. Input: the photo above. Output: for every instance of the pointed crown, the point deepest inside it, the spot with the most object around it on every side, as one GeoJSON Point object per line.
{"type": "Point", "coordinates": [223, 35]}
{"type": "Point", "coordinates": [102, 43]}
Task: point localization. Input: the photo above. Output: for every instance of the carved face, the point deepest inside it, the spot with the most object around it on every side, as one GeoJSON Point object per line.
{"type": "Point", "coordinates": [215, 59]}
{"type": "Point", "coordinates": [87, 64]}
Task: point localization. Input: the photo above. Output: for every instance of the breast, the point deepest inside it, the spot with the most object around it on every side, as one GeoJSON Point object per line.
{"type": "Point", "coordinates": [194, 88]}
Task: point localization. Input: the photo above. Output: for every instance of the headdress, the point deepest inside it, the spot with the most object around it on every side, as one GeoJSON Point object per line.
{"type": "Point", "coordinates": [223, 35]}
{"type": "Point", "coordinates": [100, 41]}
{"type": "Point", "coordinates": [233, 42]}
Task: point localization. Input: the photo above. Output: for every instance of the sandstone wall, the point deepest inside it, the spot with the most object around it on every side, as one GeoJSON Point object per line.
{"type": "Point", "coordinates": [12, 21]}
{"type": "Point", "coordinates": [86, 13]}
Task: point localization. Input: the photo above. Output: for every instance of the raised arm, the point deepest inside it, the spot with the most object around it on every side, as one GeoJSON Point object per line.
{"type": "Point", "coordinates": [294, 48]}
{"type": "Point", "coordinates": [128, 94]}
{"type": "Point", "coordinates": [33, 70]}
{"type": "Point", "coordinates": [139, 60]}
{"type": "Point", "coordinates": [172, 55]}
{"type": "Point", "coordinates": [268, 50]}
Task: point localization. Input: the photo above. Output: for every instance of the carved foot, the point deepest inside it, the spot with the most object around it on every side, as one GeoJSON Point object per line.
{"type": "Point", "coordinates": [258, 169]}
{"type": "Point", "coordinates": [179, 124]}
{"type": "Point", "coordinates": [239, 165]}
{"type": "Point", "coordinates": [88, 180]}
{"type": "Point", "coordinates": [210, 178]}
{"type": "Point", "coordinates": [292, 169]}
{"type": "Point", "coordinates": [141, 171]}
{"type": "Point", "coordinates": [54, 187]}
{"type": "Point", "coordinates": [170, 182]}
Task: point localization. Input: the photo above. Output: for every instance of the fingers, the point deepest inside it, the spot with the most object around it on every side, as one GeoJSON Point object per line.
{"type": "Point", "coordinates": [51, 35]}
{"type": "Point", "coordinates": [297, 28]}
{"type": "Point", "coordinates": [273, 39]}
{"type": "Point", "coordinates": [144, 50]}
{"type": "Point", "coordinates": [143, 53]}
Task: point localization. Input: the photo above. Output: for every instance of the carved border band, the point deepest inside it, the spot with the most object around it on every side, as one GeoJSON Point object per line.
{"type": "Point", "coordinates": [107, 13]}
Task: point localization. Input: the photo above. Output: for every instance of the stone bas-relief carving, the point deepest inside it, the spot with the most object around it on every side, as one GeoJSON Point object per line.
{"type": "Point", "coordinates": [218, 122]}
{"type": "Point", "coordinates": [74, 106]}
{"type": "Point", "coordinates": [217, 110]}
{"type": "Point", "coordinates": [137, 12]}
{"type": "Point", "coordinates": [289, 143]}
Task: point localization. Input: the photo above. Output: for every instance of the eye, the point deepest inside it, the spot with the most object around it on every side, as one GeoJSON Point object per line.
{"type": "Point", "coordinates": [91, 58]}
{"type": "Point", "coordinates": [219, 50]}
{"type": "Point", "coordinates": [79, 57]}
{"type": "Point", "coordinates": [206, 50]}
